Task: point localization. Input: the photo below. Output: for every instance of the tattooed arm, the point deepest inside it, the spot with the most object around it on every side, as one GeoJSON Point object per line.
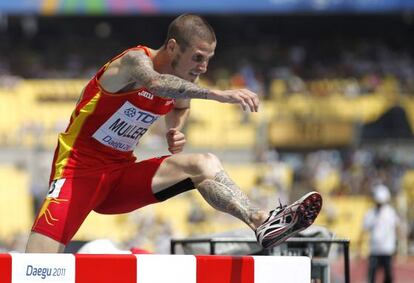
{"type": "Point", "coordinates": [139, 68]}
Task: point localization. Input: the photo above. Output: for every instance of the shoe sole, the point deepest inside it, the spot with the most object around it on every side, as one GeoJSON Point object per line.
{"type": "Point", "coordinates": [305, 214]}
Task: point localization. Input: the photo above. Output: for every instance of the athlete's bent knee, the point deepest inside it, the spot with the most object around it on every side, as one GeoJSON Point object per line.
{"type": "Point", "coordinates": [207, 165]}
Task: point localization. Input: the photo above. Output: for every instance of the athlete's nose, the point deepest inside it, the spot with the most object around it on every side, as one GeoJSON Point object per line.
{"type": "Point", "coordinates": [202, 67]}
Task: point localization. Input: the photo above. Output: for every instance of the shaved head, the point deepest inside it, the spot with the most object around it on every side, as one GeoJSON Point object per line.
{"type": "Point", "coordinates": [187, 27]}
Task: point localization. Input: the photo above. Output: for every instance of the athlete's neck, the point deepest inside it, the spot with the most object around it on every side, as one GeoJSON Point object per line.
{"type": "Point", "coordinates": [161, 61]}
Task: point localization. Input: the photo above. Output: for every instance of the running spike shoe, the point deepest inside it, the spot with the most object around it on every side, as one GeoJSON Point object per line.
{"type": "Point", "coordinates": [286, 221]}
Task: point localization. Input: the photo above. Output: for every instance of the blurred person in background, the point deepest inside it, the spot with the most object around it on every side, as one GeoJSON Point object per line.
{"type": "Point", "coordinates": [94, 167]}
{"type": "Point", "coordinates": [381, 224]}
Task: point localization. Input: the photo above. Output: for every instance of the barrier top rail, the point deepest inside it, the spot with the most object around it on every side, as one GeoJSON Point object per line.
{"type": "Point", "coordinates": [248, 240]}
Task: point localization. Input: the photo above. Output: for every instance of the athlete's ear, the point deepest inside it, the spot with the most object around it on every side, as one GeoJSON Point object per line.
{"type": "Point", "coordinates": [172, 47]}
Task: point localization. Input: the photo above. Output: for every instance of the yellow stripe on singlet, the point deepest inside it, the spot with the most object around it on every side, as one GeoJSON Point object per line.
{"type": "Point", "coordinates": [67, 139]}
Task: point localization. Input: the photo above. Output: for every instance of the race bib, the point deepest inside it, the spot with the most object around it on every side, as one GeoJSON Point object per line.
{"type": "Point", "coordinates": [55, 187]}
{"type": "Point", "coordinates": [123, 130]}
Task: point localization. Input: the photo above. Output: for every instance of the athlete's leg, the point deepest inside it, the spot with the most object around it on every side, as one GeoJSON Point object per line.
{"type": "Point", "coordinates": [158, 179]}
{"type": "Point", "coordinates": [66, 206]}
{"type": "Point", "coordinates": [39, 243]}
{"type": "Point", "coordinates": [217, 188]}
{"type": "Point", "coordinates": [209, 177]}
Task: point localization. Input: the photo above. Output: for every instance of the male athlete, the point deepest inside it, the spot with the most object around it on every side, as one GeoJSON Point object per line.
{"type": "Point", "coordinates": [94, 167]}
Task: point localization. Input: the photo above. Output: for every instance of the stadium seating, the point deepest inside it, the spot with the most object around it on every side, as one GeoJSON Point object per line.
{"type": "Point", "coordinates": [34, 111]}
{"type": "Point", "coordinates": [15, 203]}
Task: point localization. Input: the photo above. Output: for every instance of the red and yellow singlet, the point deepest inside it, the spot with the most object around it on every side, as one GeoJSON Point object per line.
{"type": "Point", "coordinates": [94, 167]}
{"type": "Point", "coordinates": [105, 128]}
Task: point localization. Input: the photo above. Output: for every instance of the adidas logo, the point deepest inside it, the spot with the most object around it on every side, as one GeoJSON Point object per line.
{"type": "Point", "coordinates": [146, 94]}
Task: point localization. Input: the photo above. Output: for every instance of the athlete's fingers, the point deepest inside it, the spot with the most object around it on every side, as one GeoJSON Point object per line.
{"type": "Point", "coordinates": [247, 101]}
{"type": "Point", "coordinates": [251, 104]}
{"type": "Point", "coordinates": [179, 140]}
{"type": "Point", "coordinates": [253, 99]}
{"type": "Point", "coordinates": [244, 97]}
{"type": "Point", "coordinates": [178, 136]}
{"type": "Point", "coordinates": [178, 143]}
{"type": "Point", "coordinates": [171, 132]}
{"type": "Point", "coordinates": [174, 133]}
{"type": "Point", "coordinates": [243, 105]}
{"type": "Point", "coordinates": [176, 147]}
{"type": "Point", "coordinates": [175, 138]}
{"type": "Point", "coordinates": [174, 150]}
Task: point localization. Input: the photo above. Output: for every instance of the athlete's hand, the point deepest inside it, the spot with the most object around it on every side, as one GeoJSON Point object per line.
{"type": "Point", "coordinates": [246, 98]}
{"type": "Point", "coordinates": [176, 140]}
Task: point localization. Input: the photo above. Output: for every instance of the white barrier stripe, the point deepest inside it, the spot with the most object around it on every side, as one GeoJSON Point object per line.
{"type": "Point", "coordinates": [166, 268]}
{"type": "Point", "coordinates": [287, 269]}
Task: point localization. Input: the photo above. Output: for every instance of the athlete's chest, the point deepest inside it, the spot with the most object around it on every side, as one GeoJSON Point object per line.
{"type": "Point", "coordinates": [124, 128]}
{"type": "Point", "coordinates": [120, 121]}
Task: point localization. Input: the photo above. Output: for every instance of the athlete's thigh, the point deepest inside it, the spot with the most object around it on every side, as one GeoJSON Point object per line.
{"type": "Point", "coordinates": [175, 169]}
{"type": "Point", "coordinates": [149, 181]}
{"type": "Point", "coordinates": [66, 206]}
{"type": "Point", "coordinates": [132, 189]}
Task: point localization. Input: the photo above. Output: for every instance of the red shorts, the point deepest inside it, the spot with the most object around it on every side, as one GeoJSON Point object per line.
{"type": "Point", "coordinates": [70, 200]}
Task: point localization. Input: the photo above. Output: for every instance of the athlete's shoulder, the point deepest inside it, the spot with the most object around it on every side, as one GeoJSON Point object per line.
{"type": "Point", "coordinates": [142, 48]}
{"type": "Point", "coordinates": [140, 51]}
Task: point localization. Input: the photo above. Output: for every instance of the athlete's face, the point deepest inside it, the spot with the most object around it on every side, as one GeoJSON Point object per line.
{"type": "Point", "coordinates": [193, 62]}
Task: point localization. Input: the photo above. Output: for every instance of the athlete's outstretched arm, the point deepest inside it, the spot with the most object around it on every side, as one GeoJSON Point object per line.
{"type": "Point", "coordinates": [141, 70]}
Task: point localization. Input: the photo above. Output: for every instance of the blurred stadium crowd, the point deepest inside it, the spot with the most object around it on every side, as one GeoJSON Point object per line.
{"type": "Point", "coordinates": [337, 115]}
{"type": "Point", "coordinates": [360, 51]}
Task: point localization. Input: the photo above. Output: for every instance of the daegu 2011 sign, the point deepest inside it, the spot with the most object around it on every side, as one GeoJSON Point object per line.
{"type": "Point", "coordinates": [58, 268]}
